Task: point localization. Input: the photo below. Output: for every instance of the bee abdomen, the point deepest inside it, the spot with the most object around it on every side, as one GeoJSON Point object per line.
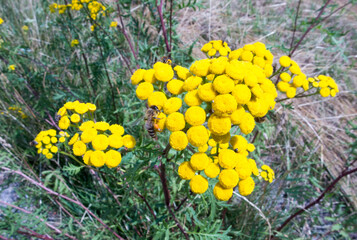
{"type": "Point", "coordinates": [152, 132]}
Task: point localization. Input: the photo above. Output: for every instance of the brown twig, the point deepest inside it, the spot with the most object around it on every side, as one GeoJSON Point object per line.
{"type": "Point", "coordinates": [32, 233]}
{"type": "Point", "coordinates": [295, 24]}
{"type": "Point", "coordinates": [159, 10]}
{"type": "Point", "coordinates": [50, 191]}
{"type": "Point", "coordinates": [162, 174]}
{"type": "Point", "coordinates": [42, 220]}
{"type": "Point", "coordinates": [171, 9]}
{"type": "Point", "coordinates": [344, 173]}
{"type": "Point", "coordinates": [315, 23]}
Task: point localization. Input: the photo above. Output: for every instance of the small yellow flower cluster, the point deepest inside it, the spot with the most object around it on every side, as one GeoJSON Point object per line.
{"type": "Point", "coordinates": [217, 93]}
{"type": "Point", "coordinates": [74, 42]}
{"type": "Point", "coordinates": [25, 28]}
{"type": "Point", "coordinates": [216, 46]}
{"type": "Point", "coordinates": [293, 78]}
{"type": "Point", "coordinates": [47, 141]}
{"type": "Point", "coordinates": [1, 21]}
{"type": "Point", "coordinates": [267, 173]}
{"type": "Point", "coordinates": [11, 67]}
{"type": "Point", "coordinates": [94, 7]}
{"type": "Point", "coordinates": [113, 24]}
{"type": "Point", "coordinates": [97, 142]}
{"type": "Point", "coordinates": [19, 111]}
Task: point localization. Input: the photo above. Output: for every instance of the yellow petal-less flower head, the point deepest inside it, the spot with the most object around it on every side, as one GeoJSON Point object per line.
{"type": "Point", "coordinates": [195, 116]}
{"type": "Point", "coordinates": [206, 92]}
{"type": "Point", "coordinates": [191, 83]}
{"type": "Point", "coordinates": [198, 184]}
{"type": "Point", "coordinates": [1, 21]}
{"type": "Point", "coordinates": [175, 86]}
{"type": "Point", "coordinates": [222, 193]}
{"type": "Point", "coordinates": [227, 158]}
{"type": "Point", "coordinates": [54, 140]}
{"type": "Point", "coordinates": [206, 47]}
{"type": "Point", "coordinates": [113, 24]}
{"type": "Point", "coordinates": [224, 105]}
{"type": "Point", "coordinates": [86, 157]}
{"type": "Point", "coordinates": [250, 80]}
{"type": "Point", "coordinates": [49, 155]}
{"type": "Point", "coordinates": [192, 98]}
{"type": "Point", "coordinates": [182, 73]}
{"type": "Point", "coordinates": [221, 139]}
{"type": "Point", "coordinates": [237, 115]}
{"type": "Point", "coordinates": [212, 52]}
{"type": "Point", "coordinates": [137, 76]}
{"type": "Point", "coordinates": [201, 67]}
{"type": "Point", "coordinates": [129, 141]}
{"type": "Point", "coordinates": [247, 123]}
{"type": "Point", "coordinates": [149, 76]}
{"type": "Point", "coordinates": [185, 171]}
{"type": "Point", "coordinates": [52, 132]}
{"type": "Point", "coordinates": [11, 67]}
{"type": "Point", "coordinates": [291, 92]}
{"type": "Point", "coordinates": [199, 161]}
{"type": "Point", "coordinates": [246, 186]}
{"type": "Point", "coordinates": [101, 126]}
{"type": "Point", "coordinates": [64, 122]}
{"type": "Point", "coordinates": [86, 125]}
{"type": "Point", "coordinates": [218, 65]}
{"type": "Point", "coordinates": [219, 125]}
{"type": "Point", "coordinates": [163, 71]}
{"type": "Point", "coordinates": [158, 99]}
{"type": "Point", "coordinates": [81, 108]}
{"type": "Point", "coordinates": [212, 170]}
{"type": "Point", "coordinates": [239, 143]}
{"type": "Point", "coordinates": [267, 173]}
{"type": "Point", "coordinates": [247, 56]}
{"type": "Point", "coordinates": [115, 141]}
{"type": "Point", "coordinates": [79, 148]}
{"type": "Point", "coordinates": [97, 158]}
{"type": "Point", "coordinates": [73, 139]}
{"type": "Point", "coordinates": [88, 135]}
{"type": "Point", "coordinates": [223, 84]}
{"type": "Point", "coordinates": [54, 149]}
{"type": "Point", "coordinates": [285, 61]}
{"type": "Point", "coordinates": [172, 105]}
{"type": "Point", "coordinates": [197, 135]}
{"type": "Point", "coordinates": [74, 42]}
{"type": "Point", "coordinates": [175, 122]}
{"type": "Point", "coordinates": [178, 140]}
{"type": "Point", "coordinates": [299, 80]}
{"type": "Point", "coordinates": [243, 167]}
{"type": "Point", "coordinates": [283, 86]}
{"type": "Point", "coordinates": [100, 142]}
{"type": "Point", "coordinates": [160, 122]}
{"type": "Point", "coordinates": [325, 92]}
{"type": "Point", "coordinates": [285, 77]}
{"type": "Point", "coordinates": [113, 158]}
{"type": "Point", "coordinates": [62, 111]}
{"type": "Point", "coordinates": [253, 167]}
{"type": "Point", "coordinates": [144, 90]}
{"type": "Point", "coordinates": [62, 139]}
{"type": "Point", "coordinates": [242, 93]}
{"type": "Point", "coordinates": [203, 148]}
{"type": "Point", "coordinates": [75, 118]}
{"type": "Point", "coordinates": [116, 129]}
{"type": "Point", "coordinates": [228, 178]}
{"type": "Point", "coordinates": [45, 151]}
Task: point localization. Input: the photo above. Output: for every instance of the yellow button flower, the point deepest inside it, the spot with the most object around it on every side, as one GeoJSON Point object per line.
{"type": "Point", "coordinates": [206, 92]}
{"type": "Point", "coordinates": [185, 171]}
{"type": "Point", "coordinates": [64, 122]}
{"type": "Point", "coordinates": [219, 125]}
{"type": "Point", "coordinates": [228, 178]}
{"type": "Point", "coordinates": [285, 61]}
{"type": "Point", "coordinates": [79, 148]}
{"type": "Point", "coordinates": [175, 122]}
{"type": "Point", "coordinates": [178, 140]}
{"type": "Point", "coordinates": [237, 115]}
{"type": "Point", "coordinates": [285, 77]}
{"type": "Point", "coordinates": [221, 193]}
{"type": "Point", "coordinates": [223, 84]}
{"type": "Point", "coordinates": [239, 143]}
{"type": "Point", "coordinates": [291, 92]}
{"type": "Point", "coordinates": [75, 118]}
{"type": "Point", "coordinates": [246, 186]}
{"type": "Point", "coordinates": [163, 71]}
{"type": "Point", "coordinates": [218, 65]}
{"type": "Point", "coordinates": [198, 184]}
{"type": "Point", "coordinates": [241, 93]}
{"type": "Point", "coordinates": [283, 86]}
{"type": "Point", "coordinates": [224, 105]}
{"type": "Point", "coordinates": [192, 98]}
{"type": "Point", "coordinates": [116, 129]}
{"type": "Point", "coordinates": [201, 67]}
{"type": "Point", "coordinates": [97, 158]}
{"type": "Point", "coordinates": [81, 108]}
{"type": "Point", "coordinates": [101, 126]}
{"type": "Point", "coordinates": [227, 158]}
{"type": "Point", "coordinates": [175, 86]}
{"type": "Point", "coordinates": [197, 135]}
{"type": "Point", "coordinates": [73, 139]}
{"type": "Point", "coordinates": [113, 158]}
{"type": "Point", "coordinates": [49, 155]}
{"type": "Point", "coordinates": [182, 73]}
{"type": "Point", "coordinates": [247, 123]}
{"type": "Point", "coordinates": [115, 141]}
{"type": "Point", "coordinates": [86, 157]}
{"type": "Point", "coordinates": [54, 149]}
{"type": "Point", "coordinates": [129, 141]}
{"type": "Point", "coordinates": [144, 90]}
{"type": "Point", "coordinates": [212, 170]}
{"type": "Point", "coordinates": [149, 76]}
{"type": "Point", "coordinates": [325, 92]}
{"type": "Point", "coordinates": [199, 161]}
{"type": "Point", "coordinates": [158, 99]}
{"type": "Point", "coordinates": [191, 83]}
{"type": "Point", "coordinates": [172, 105]}
{"type": "Point", "coordinates": [86, 125]}
{"type": "Point", "coordinates": [195, 116]}
{"type": "Point", "coordinates": [137, 76]}
{"type": "Point", "coordinates": [100, 142]}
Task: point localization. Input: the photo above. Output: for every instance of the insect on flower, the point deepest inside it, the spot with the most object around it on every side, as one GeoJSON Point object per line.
{"type": "Point", "coordinates": [150, 121]}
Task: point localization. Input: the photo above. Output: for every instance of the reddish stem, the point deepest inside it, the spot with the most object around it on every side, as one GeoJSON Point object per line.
{"type": "Point", "coordinates": [159, 9]}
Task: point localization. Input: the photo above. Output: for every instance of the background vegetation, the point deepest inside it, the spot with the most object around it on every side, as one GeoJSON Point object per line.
{"type": "Point", "coordinates": [308, 142]}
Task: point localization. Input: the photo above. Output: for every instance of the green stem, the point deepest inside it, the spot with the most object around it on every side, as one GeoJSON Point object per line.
{"type": "Point", "coordinates": [73, 157]}
{"type": "Point", "coordinates": [298, 96]}
{"type": "Point", "coordinates": [277, 72]}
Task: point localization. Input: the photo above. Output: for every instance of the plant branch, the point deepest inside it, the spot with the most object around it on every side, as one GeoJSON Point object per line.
{"type": "Point", "coordinates": [295, 24]}
{"type": "Point", "coordinates": [159, 9]}
{"type": "Point", "coordinates": [50, 191]}
{"type": "Point", "coordinates": [41, 219]}
{"type": "Point", "coordinates": [344, 173]}
{"type": "Point", "coordinates": [314, 24]}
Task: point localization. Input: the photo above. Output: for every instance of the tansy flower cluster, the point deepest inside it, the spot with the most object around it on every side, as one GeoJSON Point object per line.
{"type": "Point", "coordinates": [74, 42]}
{"type": "Point", "coordinates": [218, 94]}
{"type": "Point", "coordinates": [47, 142]}
{"type": "Point", "coordinates": [94, 7]}
{"type": "Point", "coordinates": [17, 110]}
{"type": "Point", "coordinates": [292, 78]}
{"type": "Point", "coordinates": [216, 46]}
{"type": "Point", "coordinates": [97, 142]}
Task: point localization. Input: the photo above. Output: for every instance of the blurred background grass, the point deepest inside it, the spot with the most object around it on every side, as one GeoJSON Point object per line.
{"type": "Point", "coordinates": [307, 142]}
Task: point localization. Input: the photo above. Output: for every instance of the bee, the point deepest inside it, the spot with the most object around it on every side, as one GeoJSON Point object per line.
{"type": "Point", "coordinates": [33, 143]}
{"type": "Point", "coordinates": [57, 117]}
{"type": "Point", "coordinates": [260, 120]}
{"type": "Point", "coordinates": [166, 59]}
{"type": "Point", "coordinates": [150, 120]}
